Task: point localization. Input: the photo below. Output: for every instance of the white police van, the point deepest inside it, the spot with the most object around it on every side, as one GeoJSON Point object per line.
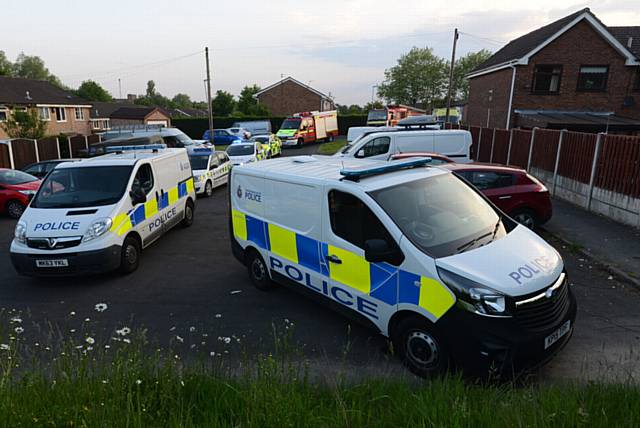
{"type": "Point", "coordinates": [411, 250]}
{"type": "Point", "coordinates": [97, 215]}
{"type": "Point", "coordinates": [210, 169]}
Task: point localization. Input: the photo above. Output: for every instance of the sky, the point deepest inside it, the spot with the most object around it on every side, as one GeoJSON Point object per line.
{"type": "Point", "coordinates": [339, 47]}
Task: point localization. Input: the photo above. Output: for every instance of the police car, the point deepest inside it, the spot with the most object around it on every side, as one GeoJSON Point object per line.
{"type": "Point", "coordinates": [411, 250]}
{"type": "Point", "coordinates": [97, 215]}
{"type": "Point", "coordinates": [247, 152]}
{"type": "Point", "coordinates": [210, 169]}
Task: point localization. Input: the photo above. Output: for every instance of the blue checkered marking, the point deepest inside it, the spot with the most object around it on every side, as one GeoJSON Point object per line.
{"type": "Point", "coordinates": [384, 282]}
{"type": "Point", "coordinates": [163, 202]}
{"type": "Point", "coordinates": [409, 292]}
{"type": "Point", "coordinates": [256, 232]}
{"type": "Point", "coordinates": [138, 215]}
{"type": "Point", "coordinates": [309, 253]}
{"type": "Point", "coordinates": [182, 189]}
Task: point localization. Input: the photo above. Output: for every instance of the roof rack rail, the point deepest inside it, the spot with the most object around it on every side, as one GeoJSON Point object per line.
{"type": "Point", "coordinates": [120, 149]}
{"type": "Point", "coordinates": [358, 173]}
{"type": "Point", "coordinates": [422, 121]}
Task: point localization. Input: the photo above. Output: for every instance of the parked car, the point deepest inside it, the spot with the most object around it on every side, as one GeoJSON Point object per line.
{"type": "Point", "coordinates": [247, 152]}
{"type": "Point", "coordinates": [517, 193]}
{"type": "Point", "coordinates": [240, 132]}
{"type": "Point", "coordinates": [41, 169]}
{"type": "Point", "coordinates": [98, 149]}
{"type": "Point", "coordinates": [16, 190]}
{"type": "Point", "coordinates": [436, 158]}
{"type": "Point", "coordinates": [222, 137]}
{"type": "Point", "coordinates": [172, 137]}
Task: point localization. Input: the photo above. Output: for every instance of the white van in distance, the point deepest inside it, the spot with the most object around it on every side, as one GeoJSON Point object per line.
{"type": "Point", "coordinates": [96, 215]}
{"type": "Point", "coordinates": [412, 251]}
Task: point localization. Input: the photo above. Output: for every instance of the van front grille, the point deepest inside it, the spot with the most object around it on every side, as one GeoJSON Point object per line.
{"type": "Point", "coordinates": [545, 309]}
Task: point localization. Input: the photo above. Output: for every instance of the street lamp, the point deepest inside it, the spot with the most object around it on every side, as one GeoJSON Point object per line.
{"type": "Point", "coordinates": [373, 93]}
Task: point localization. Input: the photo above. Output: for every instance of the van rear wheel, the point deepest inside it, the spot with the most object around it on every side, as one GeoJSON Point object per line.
{"type": "Point", "coordinates": [129, 255]}
{"type": "Point", "coordinates": [258, 272]}
{"type": "Point", "coordinates": [420, 348]}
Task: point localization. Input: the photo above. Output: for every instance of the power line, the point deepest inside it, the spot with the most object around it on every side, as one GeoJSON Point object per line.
{"type": "Point", "coordinates": [486, 39]}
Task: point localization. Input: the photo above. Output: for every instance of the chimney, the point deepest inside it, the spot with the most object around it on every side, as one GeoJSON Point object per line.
{"type": "Point", "coordinates": [630, 42]}
{"type": "Point", "coordinates": [27, 96]}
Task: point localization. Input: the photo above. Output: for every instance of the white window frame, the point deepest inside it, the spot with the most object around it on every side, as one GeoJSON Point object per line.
{"type": "Point", "coordinates": [5, 110]}
{"type": "Point", "coordinates": [46, 117]}
{"type": "Point", "coordinates": [77, 110]}
{"type": "Point", "coordinates": [64, 114]}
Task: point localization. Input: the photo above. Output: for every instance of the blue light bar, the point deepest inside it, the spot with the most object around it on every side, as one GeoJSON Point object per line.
{"type": "Point", "coordinates": [356, 174]}
{"type": "Point", "coordinates": [202, 151]}
{"type": "Point", "coordinates": [112, 149]}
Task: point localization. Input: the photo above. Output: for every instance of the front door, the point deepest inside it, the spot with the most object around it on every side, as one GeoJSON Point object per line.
{"type": "Point", "coordinates": [144, 214]}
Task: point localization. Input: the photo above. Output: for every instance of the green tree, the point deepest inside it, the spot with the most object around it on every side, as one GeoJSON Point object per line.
{"type": "Point", "coordinates": [25, 124]}
{"type": "Point", "coordinates": [5, 65]}
{"type": "Point", "coordinates": [419, 76]}
{"type": "Point", "coordinates": [223, 104]}
{"type": "Point", "coordinates": [92, 91]}
{"type": "Point", "coordinates": [372, 105]}
{"type": "Point", "coordinates": [248, 104]}
{"type": "Point", "coordinates": [181, 101]}
{"type": "Point", "coordinates": [463, 66]}
{"type": "Point", "coordinates": [151, 88]}
{"type": "Point", "coordinates": [33, 67]}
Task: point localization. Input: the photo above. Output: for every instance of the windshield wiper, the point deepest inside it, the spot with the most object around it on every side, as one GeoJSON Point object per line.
{"type": "Point", "coordinates": [463, 247]}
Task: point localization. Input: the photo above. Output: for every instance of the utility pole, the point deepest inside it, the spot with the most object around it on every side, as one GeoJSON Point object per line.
{"type": "Point", "coordinates": [119, 88]}
{"type": "Point", "coordinates": [453, 60]}
{"type": "Point", "coordinates": [373, 87]}
{"type": "Point", "coordinates": [206, 55]}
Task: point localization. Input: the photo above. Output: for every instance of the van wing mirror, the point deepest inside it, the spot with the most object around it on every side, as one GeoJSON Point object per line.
{"type": "Point", "coordinates": [137, 196]}
{"type": "Point", "coordinates": [379, 250]}
{"type": "Point", "coordinates": [360, 153]}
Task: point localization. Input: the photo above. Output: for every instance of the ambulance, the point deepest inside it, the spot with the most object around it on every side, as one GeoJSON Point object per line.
{"type": "Point", "coordinates": [411, 250]}
{"type": "Point", "coordinates": [98, 214]}
{"type": "Point", "coordinates": [210, 169]}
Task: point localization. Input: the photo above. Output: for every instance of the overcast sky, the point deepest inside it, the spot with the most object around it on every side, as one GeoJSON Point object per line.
{"type": "Point", "coordinates": [340, 47]}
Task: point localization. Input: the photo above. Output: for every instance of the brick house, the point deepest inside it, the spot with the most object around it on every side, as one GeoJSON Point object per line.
{"type": "Point", "coordinates": [291, 96]}
{"type": "Point", "coordinates": [64, 112]}
{"type": "Point", "coordinates": [575, 73]}
{"type": "Point", "coordinates": [139, 115]}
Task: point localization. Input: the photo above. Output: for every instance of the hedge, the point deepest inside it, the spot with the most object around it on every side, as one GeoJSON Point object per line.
{"type": "Point", "coordinates": [194, 128]}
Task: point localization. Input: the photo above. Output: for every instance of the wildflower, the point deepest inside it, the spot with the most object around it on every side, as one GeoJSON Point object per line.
{"type": "Point", "coordinates": [100, 307]}
{"type": "Point", "coordinates": [105, 381]}
{"type": "Point", "coordinates": [18, 330]}
{"type": "Point", "coordinates": [138, 382]}
{"type": "Point", "coordinates": [125, 340]}
{"type": "Point", "coordinates": [72, 313]}
{"type": "Point", "coordinates": [87, 319]}
{"type": "Point", "coordinates": [4, 347]}
{"type": "Point", "coordinates": [172, 328]}
{"type": "Point", "coordinates": [79, 347]}
{"type": "Point", "coordinates": [73, 330]}
{"type": "Point", "coordinates": [192, 329]}
{"type": "Point", "coordinates": [107, 347]}
{"type": "Point", "coordinates": [89, 348]}
{"type": "Point", "coordinates": [193, 345]}
{"type": "Point", "coordinates": [218, 315]}
{"type": "Point", "coordinates": [179, 339]}
{"type": "Point", "coordinates": [213, 354]}
{"type": "Point", "coordinates": [182, 382]}
{"type": "Point", "coordinates": [90, 340]}
{"type": "Point", "coordinates": [123, 331]}
{"type": "Point", "coordinates": [16, 320]}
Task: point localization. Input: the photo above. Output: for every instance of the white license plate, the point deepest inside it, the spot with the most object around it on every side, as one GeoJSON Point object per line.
{"type": "Point", "coordinates": [52, 263]}
{"type": "Point", "coordinates": [556, 335]}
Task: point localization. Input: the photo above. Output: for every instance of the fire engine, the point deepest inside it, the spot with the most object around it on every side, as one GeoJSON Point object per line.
{"type": "Point", "coordinates": [308, 127]}
{"type": "Point", "coordinates": [390, 115]}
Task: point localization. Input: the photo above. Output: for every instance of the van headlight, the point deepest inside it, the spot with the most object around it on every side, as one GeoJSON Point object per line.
{"type": "Point", "coordinates": [20, 232]}
{"type": "Point", "coordinates": [475, 297]}
{"type": "Point", "coordinates": [97, 229]}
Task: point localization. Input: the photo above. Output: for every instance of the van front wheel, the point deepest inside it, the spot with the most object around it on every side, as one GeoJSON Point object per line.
{"type": "Point", "coordinates": [420, 348]}
{"type": "Point", "coordinates": [130, 255]}
{"type": "Point", "coordinates": [258, 272]}
{"type": "Point", "coordinates": [188, 214]}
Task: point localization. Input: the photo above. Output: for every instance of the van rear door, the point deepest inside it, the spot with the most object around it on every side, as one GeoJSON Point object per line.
{"type": "Point", "coordinates": [453, 145]}
{"type": "Point", "coordinates": [418, 142]}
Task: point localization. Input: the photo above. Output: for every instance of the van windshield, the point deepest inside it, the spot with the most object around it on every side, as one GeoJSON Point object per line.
{"type": "Point", "coordinates": [83, 187]}
{"type": "Point", "coordinates": [199, 161]}
{"type": "Point", "coordinates": [377, 115]}
{"type": "Point", "coordinates": [440, 215]}
{"type": "Point", "coordinates": [291, 124]}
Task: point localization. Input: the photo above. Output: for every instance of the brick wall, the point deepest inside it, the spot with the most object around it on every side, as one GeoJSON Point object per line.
{"type": "Point", "coordinates": [288, 98]}
{"type": "Point", "coordinates": [581, 45]}
{"type": "Point", "coordinates": [70, 126]}
{"type": "Point", "coordinates": [158, 115]}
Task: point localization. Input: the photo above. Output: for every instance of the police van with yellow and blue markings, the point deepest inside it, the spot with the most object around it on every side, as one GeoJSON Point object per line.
{"type": "Point", "coordinates": [413, 251]}
{"type": "Point", "coordinates": [97, 215]}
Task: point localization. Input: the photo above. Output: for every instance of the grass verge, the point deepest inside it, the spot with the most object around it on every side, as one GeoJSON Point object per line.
{"type": "Point", "coordinates": [332, 147]}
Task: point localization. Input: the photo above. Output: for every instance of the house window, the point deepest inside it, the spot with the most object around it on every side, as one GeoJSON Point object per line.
{"type": "Point", "coordinates": [546, 79]}
{"type": "Point", "coordinates": [593, 78]}
{"type": "Point", "coordinates": [79, 113]}
{"type": "Point", "coordinates": [44, 113]}
{"type": "Point", "coordinates": [61, 114]}
{"type": "Point", "coordinates": [3, 114]}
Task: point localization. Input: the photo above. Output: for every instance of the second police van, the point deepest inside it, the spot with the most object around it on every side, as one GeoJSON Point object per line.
{"type": "Point", "coordinates": [413, 251]}
{"type": "Point", "coordinates": [210, 169]}
{"type": "Point", "coordinates": [96, 215]}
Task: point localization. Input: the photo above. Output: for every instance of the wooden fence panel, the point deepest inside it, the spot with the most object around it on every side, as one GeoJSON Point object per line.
{"type": "Point", "coordinates": [520, 148]}
{"type": "Point", "coordinates": [78, 146]}
{"type": "Point", "coordinates": [5, 160]}
{"type": "Point", "coordinates": [47, 148]}
{"type": "Point", "coordinates": [545, 149]}
{"type": "Point", "coordinates": [501, 146]}
{"type": "Point", "coordinates": [619, 165]}
{"type": "Point", "coordinates": [24, 152]}
{"type": "Point", "coordinates": [485, 145]}
{"type": "Point", "coordinates": [475, 134]}
{"type": "Point", "coordinates": [576, 156]}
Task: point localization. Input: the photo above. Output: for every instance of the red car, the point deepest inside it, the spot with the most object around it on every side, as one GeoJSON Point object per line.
{"type": "Point", "coordinates": [518, 194]}
{"type": "Point", "coordinates": [16, 190]}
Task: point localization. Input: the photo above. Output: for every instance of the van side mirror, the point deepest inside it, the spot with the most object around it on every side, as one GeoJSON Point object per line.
{"type": "Point", "coordinates": [137, 196]}
{"type": "Point", "coordinates": [360, 153]}
{"type": "Point", "coordinates": [378, 250]}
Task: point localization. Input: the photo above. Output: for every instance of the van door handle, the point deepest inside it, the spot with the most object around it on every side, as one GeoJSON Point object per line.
{"type": "Point", "coordinates": [334, 259]}
{"type": "Point", "coordinates": [504, 197]}
{"type": "Point", "coordinates": [157, 196]}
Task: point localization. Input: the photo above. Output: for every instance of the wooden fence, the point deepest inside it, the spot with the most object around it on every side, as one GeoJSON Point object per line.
{"type": "Point", "coordinates": [19, 152]}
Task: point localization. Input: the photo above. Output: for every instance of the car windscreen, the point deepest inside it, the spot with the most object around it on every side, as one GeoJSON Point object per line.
{"type": "Point", "coordinates": [199, 161]}
{"type": "Point", "coordinates": [13, 177]}
{"type": "Point", "coordinates": [83, 187]}
{"type": "Point", "coordinates": [240, 149]}
{"type": "Point", "coordinates": [290, 124]}
{"type": "Point", "coordinates": [186, 141]}
{"type": "Point", "coordinates": [440, 215]}
{"type": "Point", "coordinates": [377, 115]}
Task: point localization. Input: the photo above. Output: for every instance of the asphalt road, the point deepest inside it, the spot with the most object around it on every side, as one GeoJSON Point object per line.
{"type": "Point", "coordinates": [189, 293]}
